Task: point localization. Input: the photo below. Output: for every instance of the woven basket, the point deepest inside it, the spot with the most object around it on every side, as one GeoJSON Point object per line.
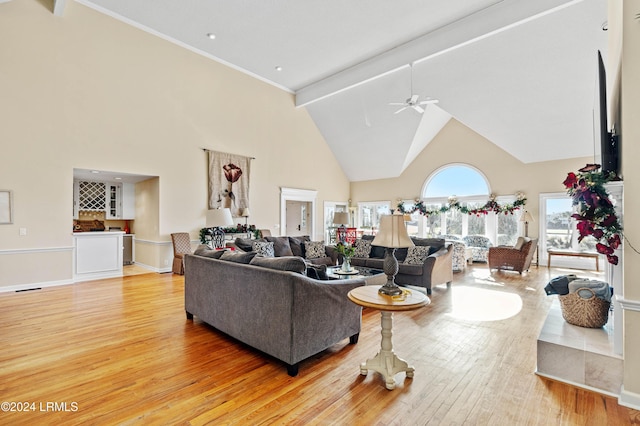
{"type": "Point", "coordinates": [590, 313]}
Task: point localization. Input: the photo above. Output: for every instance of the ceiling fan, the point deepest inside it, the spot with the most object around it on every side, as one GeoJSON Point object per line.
{"type": "Point", "coordinates": [413, 100]}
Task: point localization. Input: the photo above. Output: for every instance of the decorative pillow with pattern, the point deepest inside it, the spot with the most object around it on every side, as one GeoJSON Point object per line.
{"type": "Point", "coordinates": [314, 249]}
{"type": "Point", "coordinates": [264, 249]}
{"type": "Point", "coordinates": [417, 255]}
{"type": "Point", "coordinates": [363, 248]}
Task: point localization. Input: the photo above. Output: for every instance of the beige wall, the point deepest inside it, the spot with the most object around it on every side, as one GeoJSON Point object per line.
{"type": "Point", "coordinates": [457, 143]}
{"type": "Point", "coordinates": [87, 91]}
{"type": "Point", "coordinates": [630, 126]}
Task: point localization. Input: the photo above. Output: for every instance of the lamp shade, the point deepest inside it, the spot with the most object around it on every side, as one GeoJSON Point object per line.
{"type": "Point", "coordinates": [219, 217]}
{"type": "Point", "coordinates": [392, 233]}
{"type": "Point", "coordinates": [340, 218]}
{"type": "Point", "coordinates": [245, 212]}
{"type": "Point", "coordinates": [526, 217]}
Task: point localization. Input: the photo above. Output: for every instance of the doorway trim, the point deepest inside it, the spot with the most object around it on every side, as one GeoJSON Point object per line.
{"type": "Point", "coordinates": [294, 194]}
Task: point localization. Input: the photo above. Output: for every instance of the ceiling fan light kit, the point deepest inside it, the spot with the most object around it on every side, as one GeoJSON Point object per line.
{"type": "Point", "coordinates": [412, 101]}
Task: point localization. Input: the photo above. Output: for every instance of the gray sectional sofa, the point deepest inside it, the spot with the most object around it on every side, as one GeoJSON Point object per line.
{"type": "Point", "coordinates": [270, 304]}
{"type": "Point", "coordinates": [436, 268]}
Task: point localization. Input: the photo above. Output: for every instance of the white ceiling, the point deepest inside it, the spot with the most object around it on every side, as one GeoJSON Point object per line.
{"type": "Point", "coordinates": [521, 73]}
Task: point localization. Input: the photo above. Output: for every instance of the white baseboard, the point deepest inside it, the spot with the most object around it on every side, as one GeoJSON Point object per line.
{"type": "Point", "coordinates": [154, 269]}
{"type": "Point", "coordinates": [32, 286]}
{"type": "Point", "coordinates": [629, 399]}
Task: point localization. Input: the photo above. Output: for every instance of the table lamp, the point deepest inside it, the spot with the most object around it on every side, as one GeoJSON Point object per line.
{"type": "Point", "coordinates": [526, 218]}
{"type": "Point", "coordinates": [216, 220]}
{"type": "Point", "coordinates": [340, 218]}
{"type": "Point", "coordinates": [245, 213]}
{"type": "Point", "coordinates": [392, 235]}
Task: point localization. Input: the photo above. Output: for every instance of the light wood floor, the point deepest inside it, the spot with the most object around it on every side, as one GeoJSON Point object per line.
{"type": "Point", "coordinates": [121, 351]}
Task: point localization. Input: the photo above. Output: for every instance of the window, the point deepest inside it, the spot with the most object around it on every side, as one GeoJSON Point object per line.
{"type": "Point", "coordinates": [558, 230]}
{"type": "Point", "coordinates": [369, 214]}
{"type": "Point", "coordinates": [330, 207]}
{"type": "Point", "coordinates": [469, 187]}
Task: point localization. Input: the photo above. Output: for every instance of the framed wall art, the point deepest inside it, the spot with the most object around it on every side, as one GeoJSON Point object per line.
{"type": "Point", "coordinates": [6, 207]}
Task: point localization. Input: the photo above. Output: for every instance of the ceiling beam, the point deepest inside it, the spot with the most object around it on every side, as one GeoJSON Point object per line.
{"type": "Point", "coordinates": [58, 7]}
{"type": "Point", "coordinates": [491, 20]}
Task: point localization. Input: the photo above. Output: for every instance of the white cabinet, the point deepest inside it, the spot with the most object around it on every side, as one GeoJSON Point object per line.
{"type": "Point", "coordinates": [128, 201]}
{"type": "Point", "coordinates": [116, 200]}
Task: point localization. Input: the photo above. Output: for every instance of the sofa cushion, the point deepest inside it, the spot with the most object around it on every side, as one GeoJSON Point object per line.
{"type": "Point", "coordinates": [246, 244]}
{"type": "Point", "coordinates": [376, 251]}
{"type": "Point", "coordinates": [374, 263]}
{"type": "Point", "coordinates": [281, 246]}
{"type": "Point", "coordinates": [407, 269]}
{"type": "Point", "coordinates": [401, 254]}
{"type": "Point", "coordinates": [519, 243]}
{"type": "Point", "coordinates": [314, 249]}
{"type": "Point", "coordinates": [204, 250]}
{"type": "Point", "coordinates": [263, 248]}
{"type": "Point", "coordinates": [363, 248]}
{"type": "Point", "coordinates": [435, 244]}
{"type": "Point", "coordinates": [417, 255]}
{"type": "Point", "coordinates": [297, 244]}
{"type": "Point", "coordinates": [238, 257]}
{"type": "Point", "coordinates": [282, 263]}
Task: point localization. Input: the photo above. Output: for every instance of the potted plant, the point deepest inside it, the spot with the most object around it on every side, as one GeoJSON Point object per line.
{"type": "Point", "coordinates": [347, 251]}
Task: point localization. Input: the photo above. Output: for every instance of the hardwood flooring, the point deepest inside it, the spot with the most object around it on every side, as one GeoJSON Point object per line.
{"type": "Point", "coordinates": [121, 351]}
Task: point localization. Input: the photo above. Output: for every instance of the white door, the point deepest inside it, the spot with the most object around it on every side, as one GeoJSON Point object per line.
{"type": "Point", "coordinates": [298, 218]}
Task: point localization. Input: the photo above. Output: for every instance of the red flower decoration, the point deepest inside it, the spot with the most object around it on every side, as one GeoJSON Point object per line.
{"type": "Point", "coordinates": [232, 172]}
{"type": "Point", "coordinates": [571, 180]}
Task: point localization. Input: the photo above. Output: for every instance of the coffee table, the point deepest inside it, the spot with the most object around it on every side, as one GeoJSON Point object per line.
{"type": "Point", "coordinates": [370, 275]}
{"type": "Point", "coordinates": [386, 362]}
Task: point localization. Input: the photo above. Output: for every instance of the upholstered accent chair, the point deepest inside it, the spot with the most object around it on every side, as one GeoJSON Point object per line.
{"type": "Point", "coordinates": [513, 258]}
{"type": "Point", "coordinates": [479, 245]}
{"type": "Point", "coordinates": [181, 246]}
{"type": "Point", "coordinates": [459, 258]}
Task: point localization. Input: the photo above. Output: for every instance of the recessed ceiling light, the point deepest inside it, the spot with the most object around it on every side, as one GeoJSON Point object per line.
{"type": "Point", "coordinates": [278, 68]}
{"type": "Point", "coordinates": [118, 178]}
{"type": "Point", "coordinates": [95, 171]}
{"type": "Point", "coordinates": [212, 36]}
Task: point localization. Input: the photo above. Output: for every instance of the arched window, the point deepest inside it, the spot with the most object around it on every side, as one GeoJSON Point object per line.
{"type": "Point", "coordinates": [456, 179]}
{"type": "Point", "coordinates": [471, 188]}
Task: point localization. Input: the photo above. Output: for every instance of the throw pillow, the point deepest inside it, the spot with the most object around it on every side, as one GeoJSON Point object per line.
{"type": "Point", "coordinates": [263, 249]}
{"type": "Point", "coordinates": [417, 255]}
{"type": "Point", "coordinates": [284, 263]}
{"type": "Point", "coordinates": [317, 272]}
{"type": "Point", "coordinates": [281, 246]}
{"type": "Point", "coordinates": [246, 244]}
{"type": "Point", "coordinates": [238, 257]}
{"type": "Point", "coordinates": [363, 248]}
{"type": "Point", "coordinates": [314, 249]}
{"type": "Point", "coordinates": [205, 251]}
{"type": "Point", "coordinates": [297, 244]}
{"type": "Point", "coordinates": [519, 243]}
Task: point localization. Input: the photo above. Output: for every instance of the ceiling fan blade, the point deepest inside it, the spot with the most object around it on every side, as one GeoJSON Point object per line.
{"type": "Point", "coordinates": [429, 101]}
{"type": "Point", "coordinates": [400, 110]}
{"type": "Point", "coordinates": [418, 108]}
{"type": "Point", "coordinates": [397, 103]}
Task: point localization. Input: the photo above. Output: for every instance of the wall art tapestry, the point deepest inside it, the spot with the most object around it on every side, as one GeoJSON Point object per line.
{"type": "Point", "coordinates": [229, 181]}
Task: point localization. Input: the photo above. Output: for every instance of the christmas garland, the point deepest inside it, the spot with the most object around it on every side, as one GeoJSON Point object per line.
{"type": "Point", "coordinates": [596, 215]}
{"type": "Point", "coordinates": [491, 206]}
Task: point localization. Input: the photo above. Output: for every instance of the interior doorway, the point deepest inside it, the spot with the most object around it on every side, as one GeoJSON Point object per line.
{"type": "Point", "coordinates": [297, 212]}
{"type": "Point", "coordinates": [298, 218]}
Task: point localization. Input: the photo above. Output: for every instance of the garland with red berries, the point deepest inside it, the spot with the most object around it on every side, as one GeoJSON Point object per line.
{"type": "Point", "coordinates": [596, 215]}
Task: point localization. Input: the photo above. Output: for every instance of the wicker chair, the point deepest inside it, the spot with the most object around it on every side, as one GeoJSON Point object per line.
{"type": "Point", "coordinates": [516, 258]}
{"type": "Point", "coordinates": [181, 246]}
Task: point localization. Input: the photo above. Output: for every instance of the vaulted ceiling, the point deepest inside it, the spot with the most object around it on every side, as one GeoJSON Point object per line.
{"type": "Point", "coordinates": [520, 73]}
